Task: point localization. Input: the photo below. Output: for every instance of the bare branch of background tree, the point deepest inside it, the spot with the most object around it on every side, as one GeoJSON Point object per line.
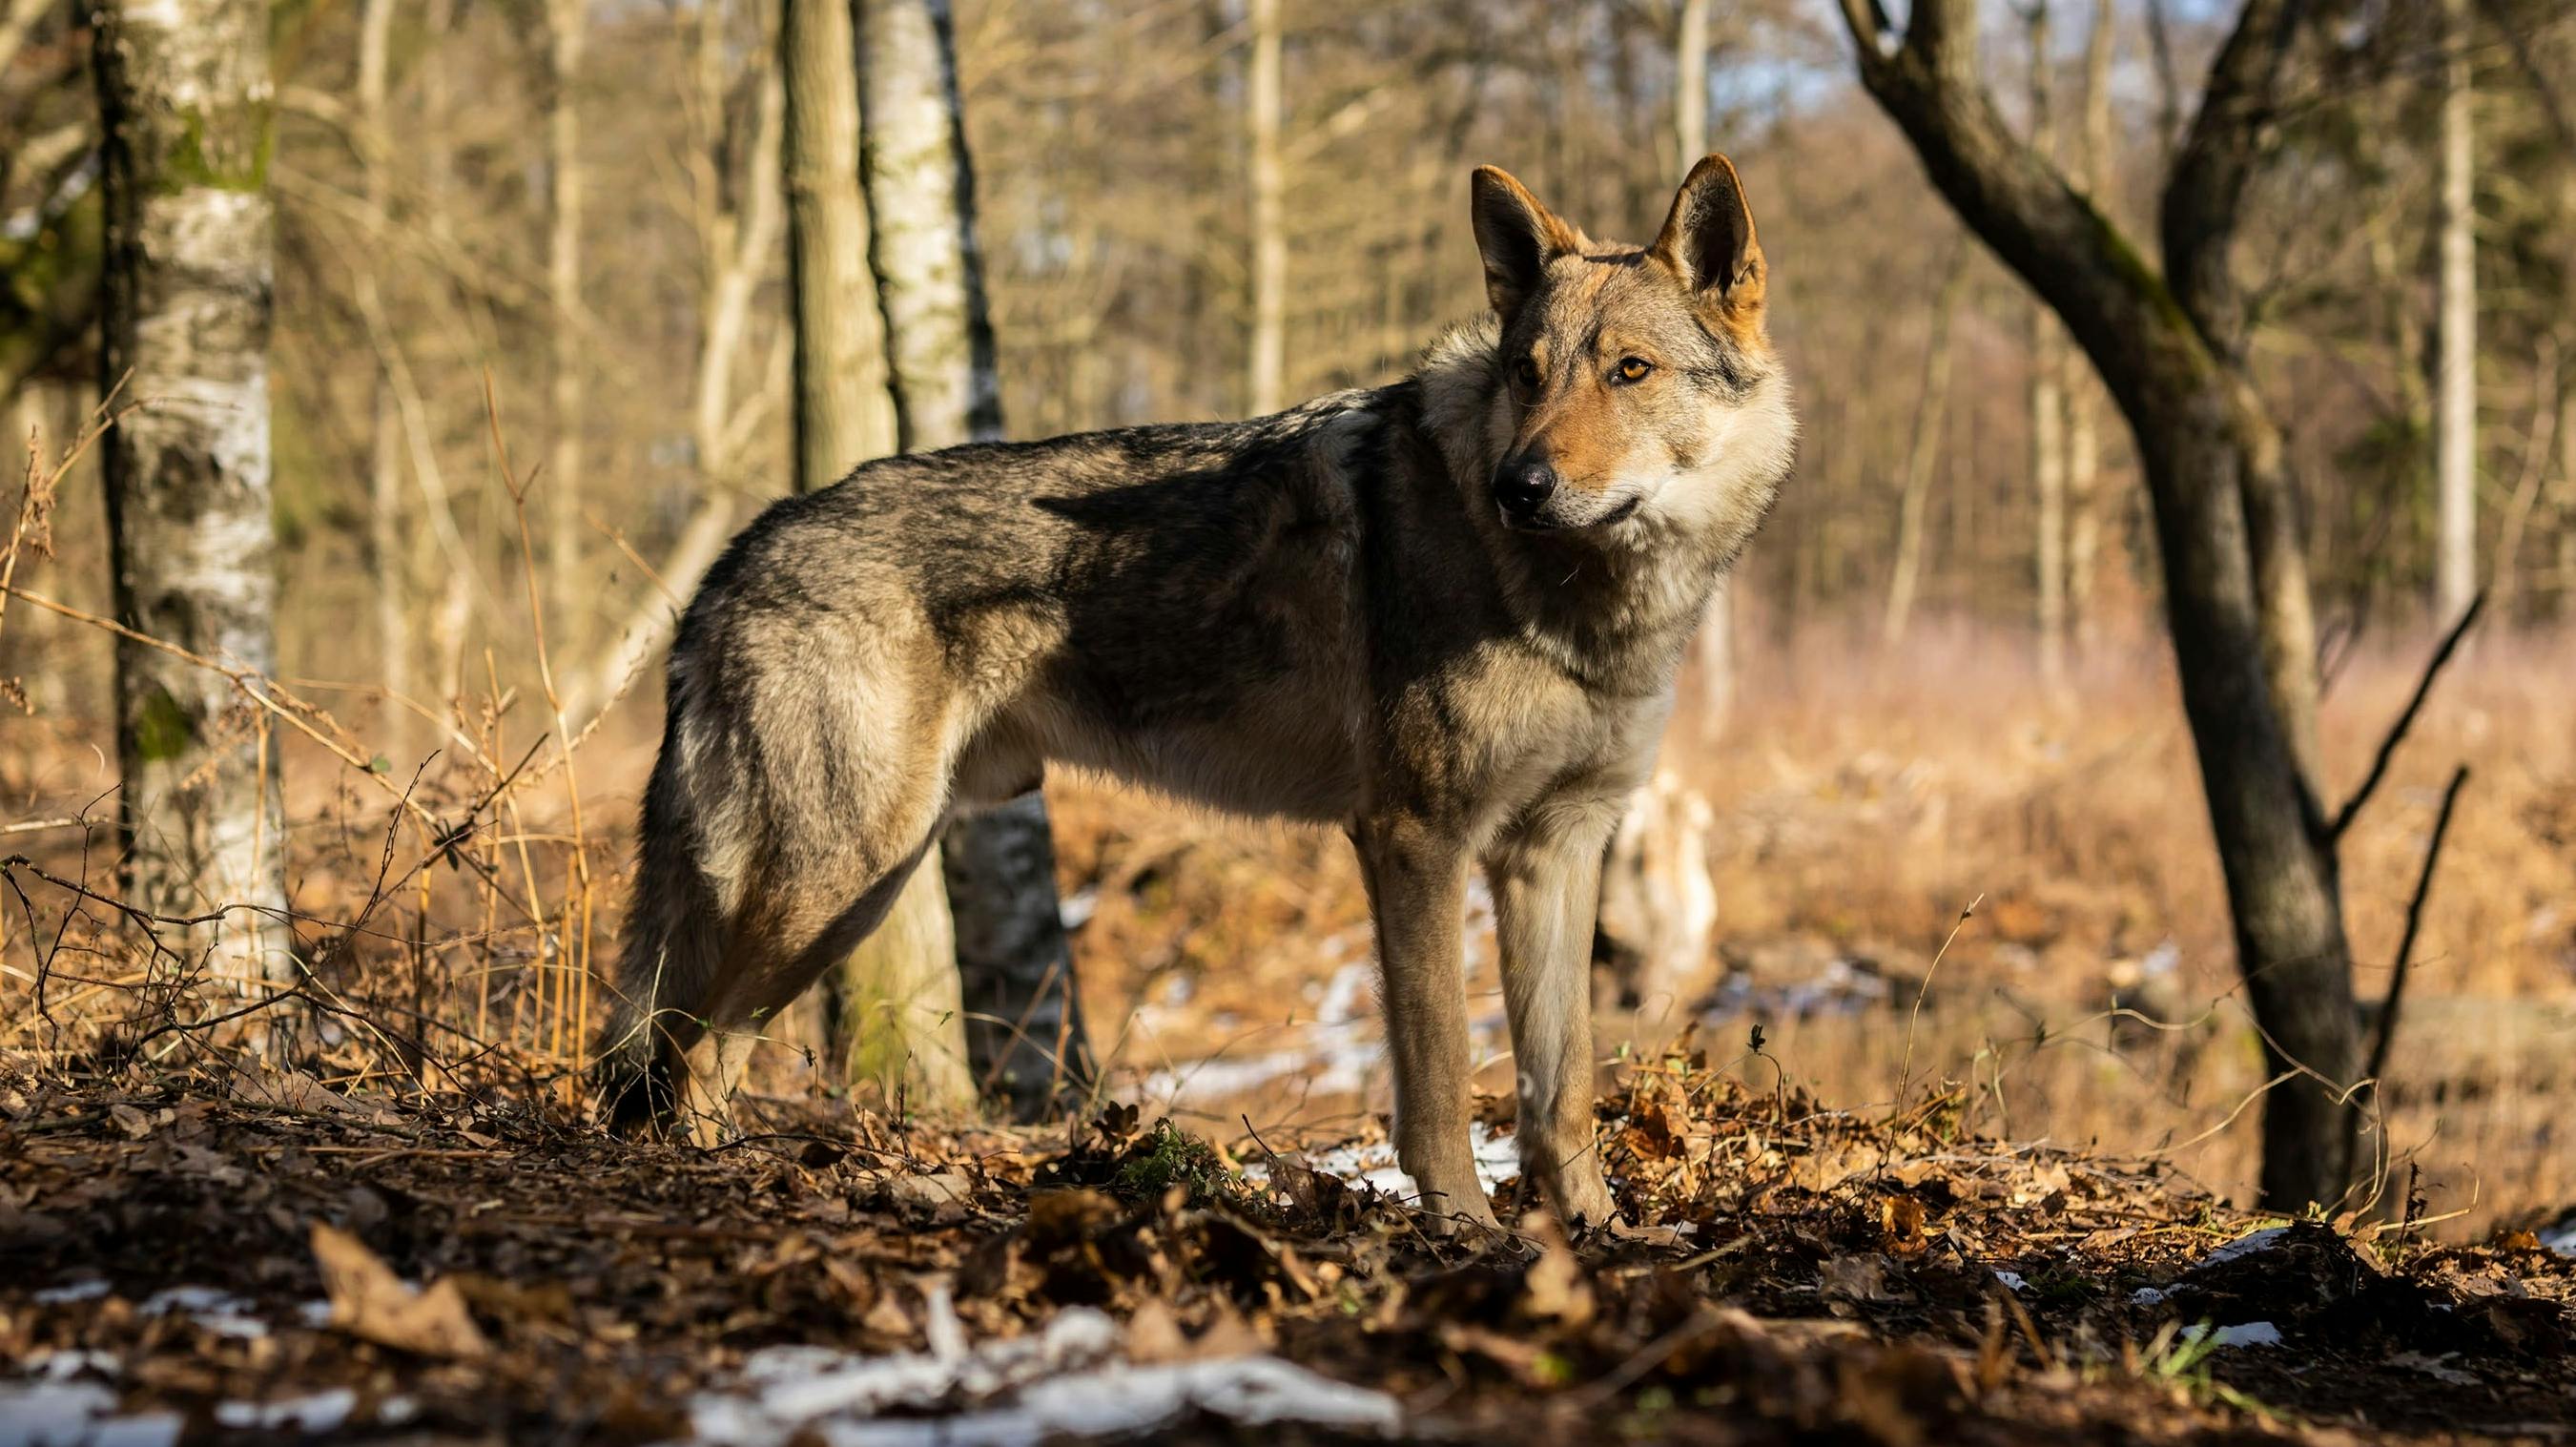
{"type": "Point", "coordinates": [2396, 734]}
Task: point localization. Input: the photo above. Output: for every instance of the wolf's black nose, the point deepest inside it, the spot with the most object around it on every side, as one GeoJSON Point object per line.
{"type": "Point", "coordinates": [1521, 484]}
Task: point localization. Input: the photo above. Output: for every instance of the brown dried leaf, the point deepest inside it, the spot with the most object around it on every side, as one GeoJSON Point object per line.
{"type": "Point", "coordinates": [370, 1302]}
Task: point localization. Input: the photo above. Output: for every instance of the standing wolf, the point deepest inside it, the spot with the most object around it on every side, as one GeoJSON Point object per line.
{"type": "Point", "coordinates": [1443, 614]}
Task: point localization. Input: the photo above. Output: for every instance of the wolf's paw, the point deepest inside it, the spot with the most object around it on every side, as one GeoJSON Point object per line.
{"type": "Point", "coordinates": [1448, 1216]}
{"type": "Point", "coordinates": [1583, 1198]}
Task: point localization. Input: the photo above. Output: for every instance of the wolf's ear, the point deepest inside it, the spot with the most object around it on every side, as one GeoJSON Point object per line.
{"type": "Point", "coordinates": [1517, 236]}
{"type": "Point", "coordinates": [1708, 239]}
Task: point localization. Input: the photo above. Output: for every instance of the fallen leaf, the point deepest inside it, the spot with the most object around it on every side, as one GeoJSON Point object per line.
{"type": "Point", "coordinates": [370, 1302]}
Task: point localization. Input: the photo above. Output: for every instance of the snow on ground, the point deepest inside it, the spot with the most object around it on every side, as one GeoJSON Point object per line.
{"type": "Point", "coordinates": [1066, 1380]}
{"type": "Point", "coordinates": [1498, 1160]}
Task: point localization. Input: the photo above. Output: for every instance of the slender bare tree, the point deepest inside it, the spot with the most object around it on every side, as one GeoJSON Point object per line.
{"type": "Point", "coordinates": [566, 22]}
{"type": "Point", "coordinates": [189, 287]}
{"type": "Point", "coordinates": [1716, 646]}
{"type": "Point", "coordinates": [1923, 454]}
{"type": "Point", "coordinates": [2455, 417]}
{"type": "Point", "coordinates": [2047, 388]}
{"type": "Point", "coordinates": [1267, 388]}
{"type": "Point", "coordinates": [384, 454]}
{"type": "Point", "coordinates": [844, 415]}
{"type": "Point", "coordinates": [2091, 174]}
{"type": "Point", "coordinates": [2171, 347]}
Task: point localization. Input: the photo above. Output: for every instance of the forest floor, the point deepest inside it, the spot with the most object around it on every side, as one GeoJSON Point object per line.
{"type": "Point", "coordinates": [264, 1258]}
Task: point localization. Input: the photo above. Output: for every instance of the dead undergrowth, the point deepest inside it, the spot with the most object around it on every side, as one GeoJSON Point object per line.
{"type": "Point", "coordinates": [261, 1256]}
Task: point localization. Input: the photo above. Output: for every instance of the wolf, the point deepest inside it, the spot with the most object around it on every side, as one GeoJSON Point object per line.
{"type": "Point", "coordinates": [1444, 615]}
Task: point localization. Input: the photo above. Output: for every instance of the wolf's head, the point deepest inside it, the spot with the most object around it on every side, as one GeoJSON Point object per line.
{"type": "Point", "coordinates": [1639, 388]}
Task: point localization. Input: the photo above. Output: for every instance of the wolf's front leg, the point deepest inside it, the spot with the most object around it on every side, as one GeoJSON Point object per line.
{"type": "Point", "coordinates": [1417, 883]}
{"type": "Point", "coordinates": [1546, 879]}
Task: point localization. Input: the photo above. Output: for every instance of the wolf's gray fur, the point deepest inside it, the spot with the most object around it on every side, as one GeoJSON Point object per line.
{"type": "Point", "coordinates": [1444, 614]}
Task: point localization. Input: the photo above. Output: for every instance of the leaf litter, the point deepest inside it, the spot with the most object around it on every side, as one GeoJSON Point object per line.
{"type": "Point", "coordinates": [200, 1261]}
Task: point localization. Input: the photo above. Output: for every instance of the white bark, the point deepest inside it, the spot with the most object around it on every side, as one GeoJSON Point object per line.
{"type": "Point", "coordinates": [922, 240]}
{"type": "Point", "coordinates": [998, 868]}
{"type": "Point", "coordinates": [1267, 389]}
{"type": "Point", "coordinates": [2455, 420]}
{"type": "Point", "coordinates": [185, 101]}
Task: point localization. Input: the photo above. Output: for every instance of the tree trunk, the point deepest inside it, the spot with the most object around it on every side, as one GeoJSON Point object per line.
{"type": "Point", "coordinates": [2046, 394]}
{"type": "Point", "coordinates": [2455, 420]}
{"type": "Point", "coordinates": [999, 867]}
{"type": "Point", "coordinates": [1716, 646]}
{"type": "Point", "coordinates": [2092, 176]}
{"type": "Point", "coordinates": [1024, 1028]}
{"type": "Point", "coordinates": [1922, 454]}
{"type": "Point", "coordinates": [844, 415]}
{"type": "Point", "coordinates": [384, 464]}
{"type": "Point", "coordinates": [560, 505]}
{"type": "Point", "coordinates": [1267, 388]}
{"type": "Point", "coordinates": [2211, 462]}
{"type": "Point", "coordinates": [185, 104]}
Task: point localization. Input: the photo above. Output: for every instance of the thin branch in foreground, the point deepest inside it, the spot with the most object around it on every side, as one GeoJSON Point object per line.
{"type": "Point", "coordinates": [2396, 735]}
{"type": "Point", "coordinates": [2414, 922]}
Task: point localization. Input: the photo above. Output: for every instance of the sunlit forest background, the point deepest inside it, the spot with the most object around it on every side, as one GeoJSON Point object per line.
{"type": "Point", "coordinates": [1929, 812]}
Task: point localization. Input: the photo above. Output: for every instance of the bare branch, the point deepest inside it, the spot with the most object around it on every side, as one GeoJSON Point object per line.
{"type": "Point", "coordinates": [2414, 921]}
{"type": "Point", "coordinates": [2406, 718]}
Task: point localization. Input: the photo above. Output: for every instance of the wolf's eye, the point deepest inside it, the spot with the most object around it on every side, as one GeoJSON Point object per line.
{"type": "Point", "coordinates": [1525, 372]}
{"type": "Point", "coordinates": [1634, 369]}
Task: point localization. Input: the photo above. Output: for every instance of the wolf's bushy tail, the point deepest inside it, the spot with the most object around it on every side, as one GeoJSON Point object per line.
{"type": "Point", "coordinates": [672, 947]}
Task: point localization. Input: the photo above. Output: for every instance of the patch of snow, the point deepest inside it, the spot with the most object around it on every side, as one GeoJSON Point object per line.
{"type": "Point", "coordinates": [2013, 1280]}
{"type": "Point", "coordinates": [2561, 1238]}
{"type": "Point", "coordinates": [90, 1290]}
{"type": "Point", "coordinates": [315, 1412]}
{"type": "Point", "coordinates": [2246, 1245]}
{"type": "Point", "coordinates": [1498, 1159]}
{"type": "Point", "coordinates": [217, 1311]}
{"type": "Point", "coordinates": [2247, 1334]}
{"type": "Point", "coordinates": [62, 1366]}
{"type": "Point", "coordinates": [1066, 1380]}
{"type": "Point", "coordinates": [77, 1414]}
{"type": "Point", "coordinates": [2147, 1296]}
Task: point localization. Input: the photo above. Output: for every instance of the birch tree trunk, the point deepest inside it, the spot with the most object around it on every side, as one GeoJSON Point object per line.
{"type": "Point", "coordinates": [561, 504]}
{"type": "Point", "coordinates": [1267, 388]}
{"type": "Point", "coordinates": [1014, 970]}
{"type": "Point", "coordinates": [1922, 454]}
{"type": "Point", "coordinates": [2455, 419]}
{"type": "Point", "coordinates": [1716, 646]}
{"type": "Point", "coordinates": [186, 107]}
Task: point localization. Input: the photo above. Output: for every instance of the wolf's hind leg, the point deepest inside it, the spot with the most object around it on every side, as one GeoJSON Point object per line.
{"type": "Point", "coordinates": [806, 921]}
